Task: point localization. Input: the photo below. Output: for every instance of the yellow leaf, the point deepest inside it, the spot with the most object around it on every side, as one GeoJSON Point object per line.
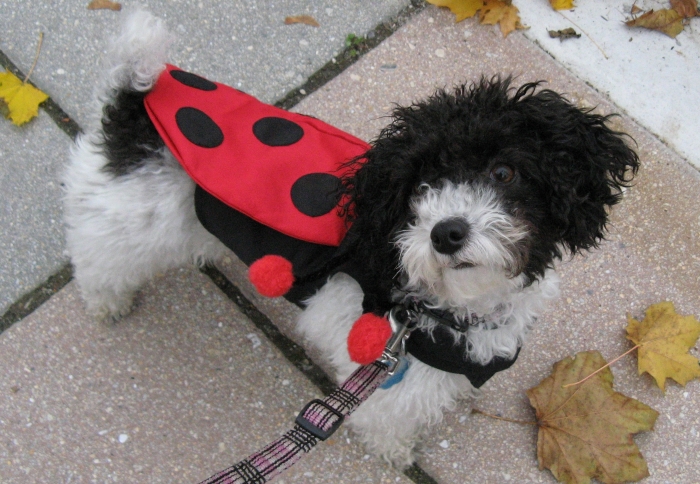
{"type": "Point", "coordinates": [585, 431]}
{"type": "Point", "coordinates": [510, 21]}
{"type": "Point", "coordinates": [492, 12]}
{"type": "Point", "coordinates": [301, 19]}
{"type": "Point", "coordinates": [665, 338]}
{"type": "Point", "coordinates": [562, 4]}
{"type": "Point", "coordinates": [461, 8]}
{"type": "Point", "coordinates": [502, 12]}
{"type": "Point", "coordinates": [22, 98]}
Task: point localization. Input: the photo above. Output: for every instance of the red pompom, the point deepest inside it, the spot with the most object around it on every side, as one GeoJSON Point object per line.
{"type": "Point", "coordinates": [271, 275]}
{"type": "Point", "coordinates": [368, 338]}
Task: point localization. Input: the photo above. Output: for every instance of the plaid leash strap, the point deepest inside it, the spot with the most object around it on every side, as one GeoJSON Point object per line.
{"type": "Point", "coordinates": [317, 421]}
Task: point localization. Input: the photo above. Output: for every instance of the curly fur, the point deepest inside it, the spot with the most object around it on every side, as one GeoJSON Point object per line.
{"type": "Point", "coordinates": [525, 173]}
{"type": "Point", "coordinates": [568, 156]}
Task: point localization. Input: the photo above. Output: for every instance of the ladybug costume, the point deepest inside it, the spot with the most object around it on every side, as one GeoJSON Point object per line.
{"type": "Point", "coordinates": [269, 184]}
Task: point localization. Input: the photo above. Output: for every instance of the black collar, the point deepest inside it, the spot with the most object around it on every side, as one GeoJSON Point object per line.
{"type": "Point", "coordinates": [447, 318]}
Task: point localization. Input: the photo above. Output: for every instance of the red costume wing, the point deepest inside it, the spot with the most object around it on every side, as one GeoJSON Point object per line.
{"type": "Point", "coordinates": [279, 168]}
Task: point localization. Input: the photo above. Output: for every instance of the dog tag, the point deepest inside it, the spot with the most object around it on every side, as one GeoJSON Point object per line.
{"type": "Point", "coordinates": [398, 375]}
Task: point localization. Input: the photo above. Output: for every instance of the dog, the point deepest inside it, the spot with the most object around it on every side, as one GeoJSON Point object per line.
{"type": "Point", "coordinates": [458, 210]}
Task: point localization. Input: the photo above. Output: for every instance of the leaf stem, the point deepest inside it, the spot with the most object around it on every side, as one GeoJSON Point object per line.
{"type": "Point", "coordinates": [36, 57]}
{"type": "Point", "coordinates": [602, 367]}
{"type": "Point", "coordinates": [521, 422]}
{"type": "Point", "coordinates": [586, 34]}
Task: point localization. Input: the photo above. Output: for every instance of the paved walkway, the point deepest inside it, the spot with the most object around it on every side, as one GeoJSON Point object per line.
{"type": "Point", "coordinates": [194, 380]}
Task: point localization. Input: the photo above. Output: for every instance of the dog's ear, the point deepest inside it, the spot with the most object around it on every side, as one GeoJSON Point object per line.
{"type": "Point", "coordinates": [377, 194]}
{"type": "Point", "coordinates": [585, 166]}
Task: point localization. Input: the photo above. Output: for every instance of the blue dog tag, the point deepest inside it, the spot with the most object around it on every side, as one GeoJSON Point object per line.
{"type": "Point", "coordinates": [398, 374]}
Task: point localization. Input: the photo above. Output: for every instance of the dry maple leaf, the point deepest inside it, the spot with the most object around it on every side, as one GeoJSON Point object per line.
{"type": "Point", "coordinates": [562, 4]}
{"type": "Point", "coordinates": [502, 12]}
{"type": "Point", "coordinates": [491, 12]}
{"type": "Point", "coordinates": [664, 338]}
{"type": "Point", "coordinates": [585, 431]}
{"type": "Point", "coordinates": [22, 98]}
{"type": "Point", "coordinates": [104, 5]}
{"type": "Point", "coordinates": [686, 8]}
{"type": "Point", "coordinates": [668, 21]}
{"type": "Point", "coordinates": [301, 19]}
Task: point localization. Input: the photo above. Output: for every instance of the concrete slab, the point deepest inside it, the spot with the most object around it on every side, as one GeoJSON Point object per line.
{"type": "Point", "coordinates": [183, 387]}
{"type": "Point", "coordinates": [646, 73]}
{"type": "Point", "coordinates": [31, 239]}
{"type": "Point", "coordinates": [244, 44]}
{"type": "Point", "coordinates": [652, 254]}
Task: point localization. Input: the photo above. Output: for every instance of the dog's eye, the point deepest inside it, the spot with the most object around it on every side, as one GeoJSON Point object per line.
{"type": "Point", "coordinates": [421, 189]}
{"type": "Point", "coordinates": [502, 174]}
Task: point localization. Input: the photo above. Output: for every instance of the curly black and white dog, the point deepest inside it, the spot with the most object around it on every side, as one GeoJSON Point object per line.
{"type": "Point", "coordinates": [458, 209]}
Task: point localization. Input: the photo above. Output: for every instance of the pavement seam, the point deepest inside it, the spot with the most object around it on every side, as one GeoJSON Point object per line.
{"type": "Point", "coordinates": [350, 55]}
{"type": "Point", "coordinates": [30, 301]}
{"type": "Point", "coordinates": [51, 107]}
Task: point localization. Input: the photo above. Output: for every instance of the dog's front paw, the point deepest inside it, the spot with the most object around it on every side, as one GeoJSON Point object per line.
{"type": "Point", "coordinates": [111, 308]}
{"type": "Point", "coordinates": [393, 445]}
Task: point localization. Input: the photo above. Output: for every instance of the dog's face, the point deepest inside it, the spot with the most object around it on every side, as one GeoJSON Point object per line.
{"type": "Point", "coordinates": [482, 189]}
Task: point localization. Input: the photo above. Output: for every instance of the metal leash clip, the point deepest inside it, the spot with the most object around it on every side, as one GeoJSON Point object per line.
{"type": "Point", "coordinates": [402, 321]}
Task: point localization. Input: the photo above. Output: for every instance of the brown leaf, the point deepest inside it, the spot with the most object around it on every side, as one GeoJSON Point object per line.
{"type": "Point", "coordinates": [104, 5]}
{"type": "Point", "coordinates": [301, 19]}
{"type": "Point", "coordinates": [687, 8]}
{"type": "Point", "coordinates": [665, 338]}
{"type": "Point", "coordinates": [668, 21]}
{"type": "Point", "coordinates": [564, 34]}
{"type": "Point", "coordinates": [585, 431]}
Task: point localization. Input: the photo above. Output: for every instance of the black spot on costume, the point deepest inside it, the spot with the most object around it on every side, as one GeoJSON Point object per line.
{"type": "Point", "coordinates": [198, 128]}
{"type": "Point", "coordinates": [277, 131]}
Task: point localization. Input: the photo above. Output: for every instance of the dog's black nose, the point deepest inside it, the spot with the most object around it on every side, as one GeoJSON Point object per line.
{"type": "Point", "coordinates": [449, 235]}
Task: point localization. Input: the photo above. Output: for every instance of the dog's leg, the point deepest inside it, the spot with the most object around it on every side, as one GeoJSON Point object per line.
{"type": "Point", "coordinates": [129, 207]}
{"type": "Point", "coordinates": [391, 421]}
{"type": "Point", "coordinates": [327, 319]}
{"type": "Point", "coordinates": [121, 230]}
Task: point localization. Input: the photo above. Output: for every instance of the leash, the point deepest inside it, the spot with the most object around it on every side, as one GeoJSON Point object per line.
{"type": "Point", "coordinates": [319, 419]}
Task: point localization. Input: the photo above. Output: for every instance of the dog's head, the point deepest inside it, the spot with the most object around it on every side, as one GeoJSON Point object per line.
{"type": "Point", "coordinates": [488, 184]}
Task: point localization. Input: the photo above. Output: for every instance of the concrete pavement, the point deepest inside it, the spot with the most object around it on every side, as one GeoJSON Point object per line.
{"type": "Point", "coordinates": [187, 384]}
